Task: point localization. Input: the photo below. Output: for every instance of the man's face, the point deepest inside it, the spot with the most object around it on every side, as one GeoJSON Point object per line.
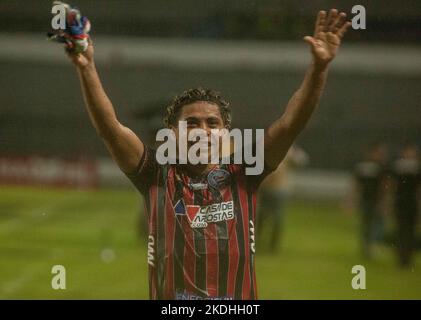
{"type": "Point", "coordinates": [379, 154]}
{"type": "Point", "coordinates": [201, 115]}
{"type": "Point", "coordinates": [409, 152]}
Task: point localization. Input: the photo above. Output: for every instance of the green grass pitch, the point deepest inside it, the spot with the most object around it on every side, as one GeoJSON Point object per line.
{"type": "Point", "coordinates": [40, 228]}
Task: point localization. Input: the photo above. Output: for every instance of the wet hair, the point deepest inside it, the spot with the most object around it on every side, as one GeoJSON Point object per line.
{"type": "Point", "coordinates": [190, 96]}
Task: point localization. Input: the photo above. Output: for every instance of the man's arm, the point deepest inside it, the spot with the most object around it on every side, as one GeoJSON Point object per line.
{"type": "Point", "coordinates": [123, 144]}
{"type": "Point", "coordinates": [324, 44]}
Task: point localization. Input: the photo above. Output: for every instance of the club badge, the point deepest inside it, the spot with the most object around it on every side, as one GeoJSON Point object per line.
{"type": "Point", "coordinates": [218, 178]}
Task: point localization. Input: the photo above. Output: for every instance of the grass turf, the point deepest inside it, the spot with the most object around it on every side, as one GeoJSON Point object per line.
{"type": "Point", "coordinates": [94, 235]}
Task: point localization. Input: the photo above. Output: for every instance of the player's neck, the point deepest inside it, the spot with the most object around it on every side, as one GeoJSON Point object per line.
{"type": "Point", "coordinates": [197, 170]}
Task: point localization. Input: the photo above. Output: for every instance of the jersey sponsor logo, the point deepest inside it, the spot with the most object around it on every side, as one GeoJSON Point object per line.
{"type": "Point", "coordinates": [198, 186]}
{"type": "Point", "coordinates": [200, 216]}
{"type": "Point", "coordinates": [189, 296]}
{"type": "Point", "coordinates": [252, 239]}
{"type": "Point", "coordinates": [151, 251]}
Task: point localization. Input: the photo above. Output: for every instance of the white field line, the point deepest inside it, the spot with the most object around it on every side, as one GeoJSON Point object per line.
{"type": "Point", "coordinates": [28, 273]}
{"type": "Point", "coordinates": [34, 216]}
{"type": "Point", "coordinates": [40, 214]}
{"type": "Point", "coordinates": [13, 286]}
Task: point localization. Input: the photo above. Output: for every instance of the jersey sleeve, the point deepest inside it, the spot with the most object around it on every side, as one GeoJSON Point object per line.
{"type": "Point", "coordinates": [146, 172]}
{"type": "Point", "coordinates": [254, 181]}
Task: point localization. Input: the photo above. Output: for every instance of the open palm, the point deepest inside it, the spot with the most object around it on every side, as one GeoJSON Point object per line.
{"type": "Point", "coordinates": [328, 33]}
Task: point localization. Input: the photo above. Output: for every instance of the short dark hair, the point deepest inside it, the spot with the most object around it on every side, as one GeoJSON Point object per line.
{"type": "Point", "coordinates": [194, 95]}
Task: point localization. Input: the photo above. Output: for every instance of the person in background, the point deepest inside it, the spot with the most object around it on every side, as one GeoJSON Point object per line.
{"type": "Point", "coordinates": [272, 197]}
{"type": "Point", "coordinates": [406, 172]}
{"type": "Point", "coordinates": [369, 194]}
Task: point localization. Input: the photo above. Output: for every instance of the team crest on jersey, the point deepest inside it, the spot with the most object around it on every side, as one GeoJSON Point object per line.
{"type": "Point", "coordinates": [218, 178]}
{"type": "Point", "coordinates": [201, 216]}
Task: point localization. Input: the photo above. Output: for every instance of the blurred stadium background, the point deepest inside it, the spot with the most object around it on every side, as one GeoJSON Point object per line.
{"type": "Point", "coordinates": [62, 200]}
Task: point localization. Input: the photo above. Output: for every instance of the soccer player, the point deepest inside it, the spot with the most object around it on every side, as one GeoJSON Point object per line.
{"type": "Point", "coordinates": [273, 195]}
{"type": "Point", "coordinates": [370, 179]}
{"type": "Point", "coordinates": [406, 171]}
{"type": "Point", "coordinates": [214, 259]}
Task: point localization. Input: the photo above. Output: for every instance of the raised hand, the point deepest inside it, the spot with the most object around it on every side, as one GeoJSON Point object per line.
{"type": "Point", "coordinates": [75, 36]}
{"type": "Point", "coordinates": [328, 33]}
{"type": "Point", "coordinates": [83, 59]}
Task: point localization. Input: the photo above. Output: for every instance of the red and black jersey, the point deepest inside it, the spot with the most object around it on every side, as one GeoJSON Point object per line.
{"type": "Point", "coordinates": [201, 231]}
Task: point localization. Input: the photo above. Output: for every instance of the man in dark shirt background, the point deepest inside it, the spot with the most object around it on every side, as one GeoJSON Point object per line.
{"type": "Point", "coordinates": [370, 179]}
{"type": "Point", "coordinates": [406, 172]}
